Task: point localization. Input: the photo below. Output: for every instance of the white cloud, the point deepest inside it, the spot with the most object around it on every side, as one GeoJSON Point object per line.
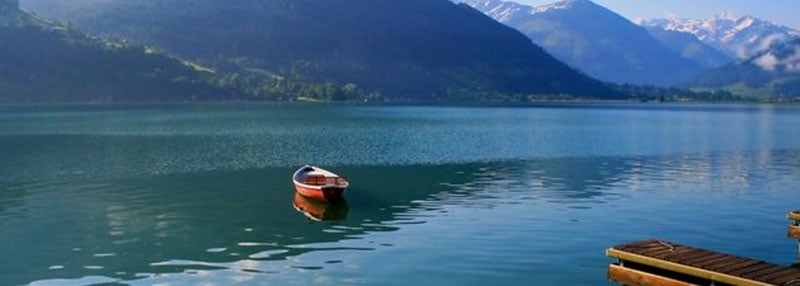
{"type": "Point", "coordinates": [767, 62]}
{"type": "Point", "coordinates": [767, 41]}
{"type": "Point", "coordinates": [770, 62]}
{"type": "Point", "coordinates": [793, 62]}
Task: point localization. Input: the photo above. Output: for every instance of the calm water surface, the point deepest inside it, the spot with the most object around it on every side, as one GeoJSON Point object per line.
{"type": "Point", "coordinates": [191, 194]}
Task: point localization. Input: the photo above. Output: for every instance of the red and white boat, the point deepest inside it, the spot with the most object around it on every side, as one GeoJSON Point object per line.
{"type": "Point", "coordinates": [319, 184]}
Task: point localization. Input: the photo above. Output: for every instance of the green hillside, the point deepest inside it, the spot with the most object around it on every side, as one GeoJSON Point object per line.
{"type": "Point", "coordinates": [45, 62]}
{"type": "Point", "coordinates": [417, 50]}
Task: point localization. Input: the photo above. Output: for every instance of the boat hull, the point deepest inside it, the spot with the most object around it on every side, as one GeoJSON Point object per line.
{"type": "Point", "coordinates": [325, 194]}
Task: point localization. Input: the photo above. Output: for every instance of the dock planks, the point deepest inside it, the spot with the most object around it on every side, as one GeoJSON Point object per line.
{"type": "Point", "coordinates": [696, 263]}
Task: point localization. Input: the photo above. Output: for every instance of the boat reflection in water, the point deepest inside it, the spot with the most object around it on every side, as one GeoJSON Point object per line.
{"type": "Point", "coordinates": [320, 211]}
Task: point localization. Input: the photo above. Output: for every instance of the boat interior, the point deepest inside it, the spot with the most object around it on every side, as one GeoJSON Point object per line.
{"type": "Point", "coordinates": [319, 179]}
{"type": "Point", "coordinates": [322, 180]}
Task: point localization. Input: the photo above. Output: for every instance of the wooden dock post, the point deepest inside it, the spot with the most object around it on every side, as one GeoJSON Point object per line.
{"type": "Point", "coordinates": [794, 230]}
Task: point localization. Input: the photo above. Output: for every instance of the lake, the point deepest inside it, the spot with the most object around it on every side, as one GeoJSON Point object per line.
{"type": "Point", "coordinates": [200, 194]}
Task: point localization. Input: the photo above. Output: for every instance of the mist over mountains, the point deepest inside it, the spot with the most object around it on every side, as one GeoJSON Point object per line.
{"type": "Point", "coordinates": [774, 72]}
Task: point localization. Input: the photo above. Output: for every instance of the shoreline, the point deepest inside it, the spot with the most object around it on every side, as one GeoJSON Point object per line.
{"type": "Point", "coordinates": [408, 103]}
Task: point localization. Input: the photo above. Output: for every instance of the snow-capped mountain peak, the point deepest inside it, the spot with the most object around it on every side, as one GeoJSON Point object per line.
{"type": "Point", "coordinates": [502, 11]}
{"type": "Point", "coordinates": [506, 11]}
{"type": "Point", "coordinates": [566, 4]}
{"type": "Point", "coordinates": [744, 23]}
{"type": "Point", "coordinates": [739, 36]}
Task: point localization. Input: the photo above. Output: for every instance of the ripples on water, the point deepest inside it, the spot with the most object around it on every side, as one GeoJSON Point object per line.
{"type": "Point", "coordinates": [159, 140]}
{"type": "Point", "coordinates": [117, 213]}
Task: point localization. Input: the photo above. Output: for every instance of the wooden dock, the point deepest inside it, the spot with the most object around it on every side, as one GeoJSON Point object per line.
{"type": "Point", "coordinates": [794, 230]}
{"type": "Point", "coordinates": [656, 262]}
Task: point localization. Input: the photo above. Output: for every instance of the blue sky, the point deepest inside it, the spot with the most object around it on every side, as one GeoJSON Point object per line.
{"type": "Point", "coordinates": [784, 12]}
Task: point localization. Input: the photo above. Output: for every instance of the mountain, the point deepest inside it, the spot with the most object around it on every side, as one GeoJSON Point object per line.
{"type": "Point", "coordinates": [739, 37]}
{"type": "Point", "coordinates": [689, 47]}
{"type": "Point", "coordinates": [45, 62]}
{"type": "Point", "coordinates": [594, 39]}
{"type": "Point", "coordinates": [405, 50]}
{"type": "Point", "coordinates": [769, 74]}
{"type": "Point", "coordinates": [502, 11]}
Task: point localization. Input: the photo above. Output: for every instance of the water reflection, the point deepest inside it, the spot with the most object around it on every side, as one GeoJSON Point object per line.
{"type": "Point", "coordinates": [320, 211]}
{"type": "Point", "coordinates": [234, 225]}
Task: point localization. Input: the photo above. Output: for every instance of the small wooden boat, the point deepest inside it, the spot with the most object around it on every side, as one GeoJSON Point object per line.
{"type": "Point", "coordinates": [319, 184]}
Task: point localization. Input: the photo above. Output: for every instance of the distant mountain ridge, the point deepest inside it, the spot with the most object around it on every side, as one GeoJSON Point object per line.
{"type": "Point", "coordinates": [420, 49]}
{"type": "Point", "coordinates": [594, 39]}
{"type": "Point", "coordinates": [739, 37]}
{"type": "Point", "coordinates": [45, 62]}
{"type": "Point", "coordinates": [689, 47]}
{"type": "Point", "coordinates": [772, 73]}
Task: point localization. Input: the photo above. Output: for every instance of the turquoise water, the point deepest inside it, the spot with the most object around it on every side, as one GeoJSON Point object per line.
{"type": "Point", "coordinates": [191, 194]}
